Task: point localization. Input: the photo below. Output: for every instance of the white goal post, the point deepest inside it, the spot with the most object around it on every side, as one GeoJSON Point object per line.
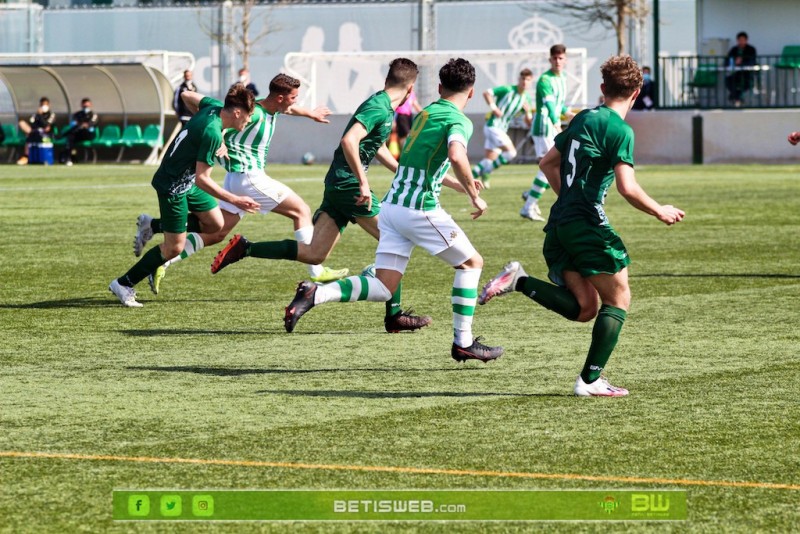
{"type": "Point", "coordinates": [342, 80]}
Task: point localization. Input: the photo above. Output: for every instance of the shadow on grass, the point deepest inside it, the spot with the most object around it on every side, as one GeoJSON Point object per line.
{"type": "Point", "coordinates": [400, 394]}
{"type": "Point", "coordinates": [83, 302]}
{"type": "Point", "coordinates": [228, 371]}
{"type": "Point", "coordinates": [716, 275]}
{"type": "Point", "coordinates": [154, 332]}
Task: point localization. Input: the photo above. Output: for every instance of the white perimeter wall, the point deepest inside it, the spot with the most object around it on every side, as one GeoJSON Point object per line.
{"type": "Point", "coordinates": [662, 137]}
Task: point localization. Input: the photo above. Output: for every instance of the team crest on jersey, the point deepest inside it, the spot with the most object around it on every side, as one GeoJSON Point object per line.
{"type": "Point", "coordinates": [453, 235]}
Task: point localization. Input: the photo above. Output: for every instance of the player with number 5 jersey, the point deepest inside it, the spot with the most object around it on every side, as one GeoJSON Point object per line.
{"type": "Point", "coordinates": [586, 259]}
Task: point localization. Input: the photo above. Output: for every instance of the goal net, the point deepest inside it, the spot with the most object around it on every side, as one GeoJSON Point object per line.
{"type": "Point", "coordinates": [342, 80]}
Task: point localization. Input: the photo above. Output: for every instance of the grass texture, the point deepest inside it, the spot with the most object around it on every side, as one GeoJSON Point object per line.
{"type": "Point", "coordinates": [205, 370]}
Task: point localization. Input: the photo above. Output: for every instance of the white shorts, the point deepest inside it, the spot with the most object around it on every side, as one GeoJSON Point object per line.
{"type": "Point", "coordinates": [543, 144]}
{"type": "Point", "coordinates": [495, 138]}
{"type": "Point", "coordinates": [403, 228]}
{"type": "Point", "coordinates": [256, 185]}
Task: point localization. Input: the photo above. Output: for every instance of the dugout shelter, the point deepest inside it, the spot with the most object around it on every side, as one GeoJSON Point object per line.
{"type": "Point", "coordinates": [130, 97]}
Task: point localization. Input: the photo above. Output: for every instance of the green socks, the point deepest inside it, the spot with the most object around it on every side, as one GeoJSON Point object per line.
{"type": "Point", "coordinates": [604, 338]}
{"type": "Point", "coordinates": [552, 297]}
{"type": "Point", "coordinates": [151, 260]}
{"type": "Point", "coordinates": [273, 250]}
{"type": "Point", "coordinates": [393, 304]}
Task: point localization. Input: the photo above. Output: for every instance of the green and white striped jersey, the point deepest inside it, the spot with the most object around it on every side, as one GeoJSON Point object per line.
{"type": "Point", "coordinates": [509, 101]}
{"type": "Point", "coordinates": [551, 95]}
{"type": "Point", "coordinates": [247, 150]}
{"type": "Point", "coordinates": [423, 162]}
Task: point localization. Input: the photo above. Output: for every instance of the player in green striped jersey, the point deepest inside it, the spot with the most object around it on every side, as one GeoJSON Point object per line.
{"type": "Point", "coordinates": [411, 216]}
{"type": "Point", "coordinates": [586, 259]}
{"type": "Point", "coordinates": [348, 197]}
{"type": "Point", "coordinates": [183, 184]}
{"type": "Point", "coordinates": [245, 162]}
{"type": "Point", "coordinates": [505, 101]}
{"type": "Point", "coordinates": [551, 94]}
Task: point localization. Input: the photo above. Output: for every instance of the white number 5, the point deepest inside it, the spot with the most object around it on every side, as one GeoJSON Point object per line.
{"type": "Point", "coordinates": [573, 146]}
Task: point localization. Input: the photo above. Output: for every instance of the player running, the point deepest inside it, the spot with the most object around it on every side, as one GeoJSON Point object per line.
{"type": "Point", "coordinates": [347, 198]}
{"type": "Point", "coordinates": [183, 184]}
{"type": "Point", "coordinates": [413, 216]}
{"type": "Point", "coordinates": [585, 256]}
{"type": "Point", "coordinates": [245, 162]}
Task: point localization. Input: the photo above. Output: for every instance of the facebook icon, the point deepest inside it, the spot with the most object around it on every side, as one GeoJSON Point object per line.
{"type": "Point", "coordinates": [139, 505]}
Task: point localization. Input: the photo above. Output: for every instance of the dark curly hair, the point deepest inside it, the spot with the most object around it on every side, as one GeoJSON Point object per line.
{"type": "Point", "coordinates": [457, 75]}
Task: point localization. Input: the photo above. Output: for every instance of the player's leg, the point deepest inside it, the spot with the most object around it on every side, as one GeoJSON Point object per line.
{"type": "Point", "coordinates": [395, 319]}
{"type": "Point", "coordinates": [293, 207]}
{"type": "Point", "coordinates": [175, 211]}
{"type": "Point", "coordinates": [530, 210]}
{"type": "Point", "coordinates": [615, 295]}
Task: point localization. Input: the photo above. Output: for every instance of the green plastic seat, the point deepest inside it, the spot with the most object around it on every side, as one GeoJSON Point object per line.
{"type": "Point", "coordinates": [132, 135]}
{"type": "Point", "coordinates": [152, 136]}
{"type": "Point", "coordinates": [109, 136]}
{"type": "Point", "coordinates": [704, 76]}
{"type": "Point", "coordinates": [13, 137]}
{"type": "Point", "coordinates": [790, 58]}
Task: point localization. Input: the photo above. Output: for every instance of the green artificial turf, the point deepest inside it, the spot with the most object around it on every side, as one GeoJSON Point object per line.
{"type": "Point", "coordinates": [205, 370]}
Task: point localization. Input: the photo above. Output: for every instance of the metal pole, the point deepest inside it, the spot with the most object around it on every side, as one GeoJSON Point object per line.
{"type": "Point", "coordinates": [657, 74]}
{"type": "Point", "coordinates": [697, 139]}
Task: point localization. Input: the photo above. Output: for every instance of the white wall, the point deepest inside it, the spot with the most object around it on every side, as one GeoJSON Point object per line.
{"type": "Point", "coordinates": [662, 137]}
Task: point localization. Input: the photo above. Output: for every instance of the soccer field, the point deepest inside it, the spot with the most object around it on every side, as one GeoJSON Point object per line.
{"type": "Point", "coordinates": [203, 389]}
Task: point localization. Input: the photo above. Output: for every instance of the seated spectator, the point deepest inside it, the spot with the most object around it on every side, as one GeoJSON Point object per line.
{"type": "Point", "coordinates": [740, 57]}
{"type": "Point", "coordinates": [38, 127]}
{"type": "Point", "coordinates": [82, 127]}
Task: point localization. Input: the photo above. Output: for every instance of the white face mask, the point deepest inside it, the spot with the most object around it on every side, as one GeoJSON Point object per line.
{"type": "Point", "coordinates": [87, 109]}
{"type": "Point", "coordinates": [243, 78]}
{"type": "Point", "coordinates": [45, 108]}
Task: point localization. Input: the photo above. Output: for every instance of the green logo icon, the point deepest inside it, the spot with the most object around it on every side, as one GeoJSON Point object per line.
{"type": "Point", "coordinates": [203, 505]}
{"type": "Point", "coordinates": [170, 505]}
{"type": "Point", "coordinates": [139, 505]}
{"type": "Point", "coordinates": [609, 504]}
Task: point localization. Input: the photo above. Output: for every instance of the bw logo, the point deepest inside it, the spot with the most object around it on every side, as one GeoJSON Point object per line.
{"type": "Point", "coordinates": [649, 502]}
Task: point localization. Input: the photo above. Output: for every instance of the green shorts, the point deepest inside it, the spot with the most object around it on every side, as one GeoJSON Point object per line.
{"type": "Point", "coordinates": [175, 209]}
{"type": "Point", "coordinates": [585, 249]}
{"type": "Point", "coordinates": [339, 201]}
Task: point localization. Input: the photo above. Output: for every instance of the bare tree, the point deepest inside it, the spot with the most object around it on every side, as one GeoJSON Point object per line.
{"type": "Point", "coordinates": [613, 15]}
{"type": "Point", "coordinates": [235, 25]}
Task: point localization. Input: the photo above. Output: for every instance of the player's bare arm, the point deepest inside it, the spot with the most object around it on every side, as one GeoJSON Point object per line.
{"type": "Point", "coordinates": [192, 100]}
{"type": "Point", "coordinates": [318, 114]}
{"type": "Point", "coordinates": [384, 155]}
{"type": "Point", "coordinates": [630, 189]}
{"type": "Point", "coordinates": [459, 162]}
{"type": "Point", "coordinates": [204, 182]}
{"type": "Point", "coordinates": [350, 144]}
{"type": "Point", "coordinates": [488, 95]}
{"type": "Point", "coordinates": [452, 182]}
{"type": "Point", "coordinates": [550, 165]}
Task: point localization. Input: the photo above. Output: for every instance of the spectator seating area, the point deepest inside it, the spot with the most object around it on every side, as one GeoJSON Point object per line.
{"type": "Point", "coordinates": [111, 138]}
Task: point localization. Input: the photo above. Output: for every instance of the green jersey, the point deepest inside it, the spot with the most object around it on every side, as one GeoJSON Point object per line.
{"type": "Point", "coordinates": [423, 162]}
{"type": "Point", "coordinates": [376, 115]}
{"type": "Point", "coordinates": [198, 141]}
{"type": "Point", "coordinates": [593, 144]}
{"type": "Point", "coordinates": [551, 95]}
{"type": "Point", "coordinates": [247, 150]}
{"type": "Point", "coordinates": [509, 101]}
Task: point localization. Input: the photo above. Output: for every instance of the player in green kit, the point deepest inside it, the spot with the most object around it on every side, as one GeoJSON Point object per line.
{"type": "Point", "coordinates": [505, 101]}
{"type": "Point", "coordinates": [245, 163]}
{"type": "Point", "coordinates": [347, 198]}
{"type": "Point", "coordinates": [412, 216]}
{"type": "Point", "coordinates": [586, 259]}
{"type": "Point", "coordinates": [183, 184]}
{"type": "Point", "coordinates": [551, 94]}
